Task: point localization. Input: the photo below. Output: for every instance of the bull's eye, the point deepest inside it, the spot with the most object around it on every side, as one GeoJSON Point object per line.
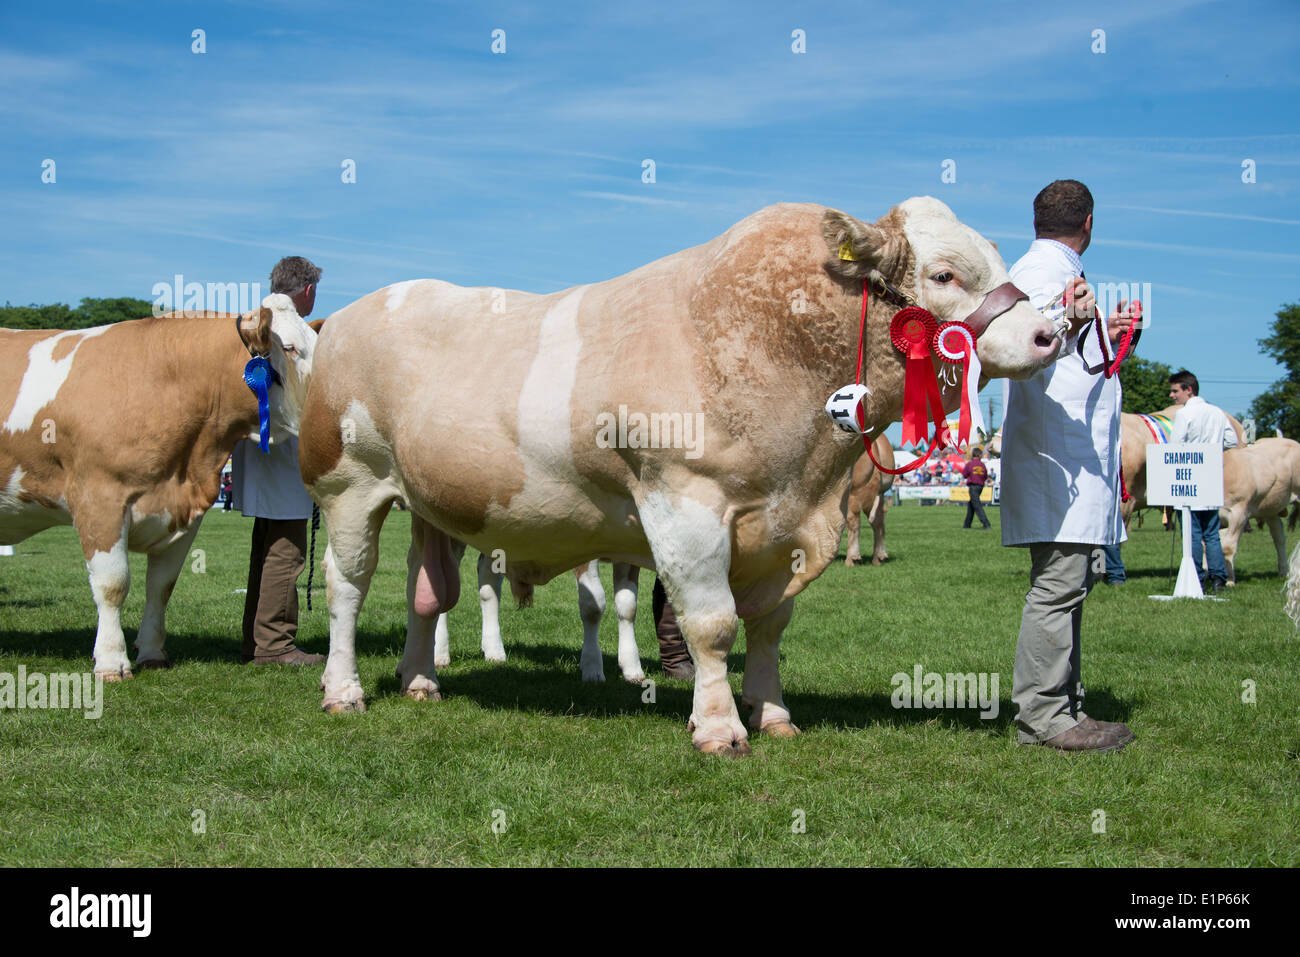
{"type": "Point", "coordinates": [942, 277]}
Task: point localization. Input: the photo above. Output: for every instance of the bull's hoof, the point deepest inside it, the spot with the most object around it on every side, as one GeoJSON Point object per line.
{"type": "Point", "coordinates": [441, 661]}
{"type": "Point", "coordinates": [491, 656]}
{"type": "Point", "coordinates": [123, 674]}
{"type": "Point", "coordinates": [724, 749]}
{"type": "Point", "coordinates": [879, 561]}
{"type": "Point", "coordinates": [780, 729]}
{"type": "Point", "coordinates": [154, 664]}
{"type": "Point", "coordinates": [593, 677]}
{"type": "Point", "coordinates": [852, 560]}
{"type": "Point", "coordinates": [635, 678]}
{"type": "Point", "coordinates": [348, 706]}
{"type": "Point", "coordinates": [423, 694]}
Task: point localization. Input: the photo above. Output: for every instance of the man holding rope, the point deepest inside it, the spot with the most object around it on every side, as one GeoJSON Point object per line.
{"type": "Point", "coordinates": [1061, 480]}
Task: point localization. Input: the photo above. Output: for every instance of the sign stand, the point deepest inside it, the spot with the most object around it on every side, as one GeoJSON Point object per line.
{"type": "Point", "coordinates": [1186, 475]}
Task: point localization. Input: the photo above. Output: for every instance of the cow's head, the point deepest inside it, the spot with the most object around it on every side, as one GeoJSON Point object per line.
{"type": "Point", "coordinates": [284, 337]}
{"type": "Point", "coordinates": [948, 268]}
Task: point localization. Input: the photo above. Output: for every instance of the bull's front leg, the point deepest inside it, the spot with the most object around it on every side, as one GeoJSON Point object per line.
{"type": "Point", "coordinates": [692, 551]}
{"type": "Point", "coordinates": [160, 579]}
{"type": "Point", "coordinates": [762, 685]}
{"type": "Point", "coordinates": [109, 568]}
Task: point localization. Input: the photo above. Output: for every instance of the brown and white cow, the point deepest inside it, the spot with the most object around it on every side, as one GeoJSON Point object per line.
{"type": "Point", "coordinates": [869, 493]}
{"type": "Point", "coordinates": [1259, 481]}
{"type": "Point", "coordinates": [121, 432]}
{"type": "Point", "coordinates": [1135, 436]}
{"type": "Point", "coordinates": [488, 412]}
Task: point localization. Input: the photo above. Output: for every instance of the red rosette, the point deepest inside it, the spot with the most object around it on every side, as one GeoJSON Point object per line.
{"type": "Point", "coordinates": [911, 330]}
{"type": "Point", "coordinates": [950, 344]}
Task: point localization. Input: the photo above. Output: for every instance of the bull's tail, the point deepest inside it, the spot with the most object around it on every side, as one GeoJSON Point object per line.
{"type": "Point", "coordinates": [1291, 590]}
{"type": "Point", "coordinates": [1294, 517]}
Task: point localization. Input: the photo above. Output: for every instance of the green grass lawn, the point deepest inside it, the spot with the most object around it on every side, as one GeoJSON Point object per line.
{"type": "Point", "coordinates": [588, 774]}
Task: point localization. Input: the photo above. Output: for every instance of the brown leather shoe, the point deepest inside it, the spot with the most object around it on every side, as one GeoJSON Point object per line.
{"type": "Point", "coordinates": [673, 654]}
{"type": "Point", "coordinates": [294, 656]}
{"type": "Point", "coordinates": [1080, 738]}
{"type": "Point", "coordinates": [1121, 731]}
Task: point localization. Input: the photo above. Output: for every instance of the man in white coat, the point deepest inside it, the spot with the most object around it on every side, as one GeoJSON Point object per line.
{"type": "Point", "coordinates": [1198, 421]}
{"type": "Point", "coordinates": [1061, 477]}
{"type": "Point", "coordinates": [268, 486]}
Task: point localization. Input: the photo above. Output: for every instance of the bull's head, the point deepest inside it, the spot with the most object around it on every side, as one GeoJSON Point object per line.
{"type": "Point", "coordinates": [279, 333]}
{"type": "Point", "coordinates": [949, 269]}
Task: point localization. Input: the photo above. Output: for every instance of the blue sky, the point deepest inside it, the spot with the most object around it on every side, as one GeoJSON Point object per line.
{"type": "Point", "coordinates": [524, 169]}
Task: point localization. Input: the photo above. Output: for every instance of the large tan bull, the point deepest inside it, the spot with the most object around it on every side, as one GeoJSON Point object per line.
{"type": "Point", "coordinates": [870, 494]}
{"type": "Point", "coordinates": [513, 420]}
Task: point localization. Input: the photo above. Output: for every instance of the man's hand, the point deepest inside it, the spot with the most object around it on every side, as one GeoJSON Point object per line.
{"type": "Point", "coordinates": [1080, 303]}
{"type": "Point", "coordinates": [1121, 320]}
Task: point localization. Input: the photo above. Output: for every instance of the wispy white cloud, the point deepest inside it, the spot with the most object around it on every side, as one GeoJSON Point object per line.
{"type": "Point", "coordinates": [1207, 213]}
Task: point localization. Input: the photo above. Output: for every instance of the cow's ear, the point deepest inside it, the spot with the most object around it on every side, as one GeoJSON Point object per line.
{"type": "Point", "coordinates": [855, 247]}
{"type": "Point", "coordinates": [316, 325]}
{"type": "Point", "coordinates": [256, 330]}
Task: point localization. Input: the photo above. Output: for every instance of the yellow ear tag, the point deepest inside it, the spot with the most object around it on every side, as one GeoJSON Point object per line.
{"type": "Point", "coordinates": [846, 253]}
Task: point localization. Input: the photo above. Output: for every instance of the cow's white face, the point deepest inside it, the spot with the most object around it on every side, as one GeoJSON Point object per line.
{"type": "Point", "coordinates": [291, 343]}
{"type": "Point", "coordinates": [952, 269]}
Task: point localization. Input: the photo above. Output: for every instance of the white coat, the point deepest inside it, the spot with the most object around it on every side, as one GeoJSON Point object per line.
{"type": "Point", "coordinates": [1061, 430]}
{"type": "Point", "coordinates": [269, 485]}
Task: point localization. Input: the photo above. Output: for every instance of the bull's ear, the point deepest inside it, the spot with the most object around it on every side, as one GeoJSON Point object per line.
{"type": "Point", "coordinates": [316, 325]}
{"type": "Point", "coordinates": [855, 247]}
{"type": "Point", "coordinates": [256, 330]}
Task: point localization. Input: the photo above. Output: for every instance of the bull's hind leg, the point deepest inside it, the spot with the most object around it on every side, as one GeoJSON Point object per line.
{"type": "Point", "coordinates": [853, 554]}
{"type": "Point", "coordinates": [629, 657]}
{"type": "Point", "coordinates": [591, 606]}
{"type": "Point", "coordinates": [692, 551]}
{"type": "Point", "coordinates": [164, 568]}
{"type": "Point", "coordinates": [426, 621]}
{"type": "Point", "coordinates": [1279, 542]}
{"type": "Point", "coordinates": [762, 684]}
{"type": "Point", "coordinates": [415, 624]}
{"type": "Point", "coordinates": [877, 520]}
{"type": "Point", "coordinates": [352, 519]}
{"type": "Point", "coordinates": [104, 545]}
{"type": "Point", "coordinates": [489, 603]}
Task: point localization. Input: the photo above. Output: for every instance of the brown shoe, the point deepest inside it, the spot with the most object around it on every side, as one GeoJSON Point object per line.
{"type": "Point", "coordinates": [1080, 738]}
{"type": "Point", "coordinates": [294, 656]}
{"type": "Point", "coordinates": [1121, 731]}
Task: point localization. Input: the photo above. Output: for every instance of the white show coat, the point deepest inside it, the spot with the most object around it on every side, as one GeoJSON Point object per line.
{"type": "Point", "coordinates": [1198, 421]}
{"type": "Point", "coordinates": [269, 485]}
{"type": "Point", "coordinates": [1061, 430]}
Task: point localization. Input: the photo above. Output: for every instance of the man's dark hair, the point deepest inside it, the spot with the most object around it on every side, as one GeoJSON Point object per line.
{"type": "Point", "coordinates": [975, 453]}
{"type": "Point", "coordinates": [293, 274]}
{"type": "Point", "coordinates": [1061, 208]}
{"type": "Point", "coordinates": [1185, 379]}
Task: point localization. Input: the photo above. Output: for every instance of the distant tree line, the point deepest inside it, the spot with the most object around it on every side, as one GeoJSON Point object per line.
{"type": "Point", "coordinates": [91, 312]}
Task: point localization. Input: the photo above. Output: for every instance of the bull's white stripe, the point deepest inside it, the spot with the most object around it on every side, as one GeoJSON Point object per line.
{"type": "Point", "coordinates": [397, 295]}
{"type": "Point", "coordinates": [44, 377]}
{"type": "Point", "coordinates": [545, 426]}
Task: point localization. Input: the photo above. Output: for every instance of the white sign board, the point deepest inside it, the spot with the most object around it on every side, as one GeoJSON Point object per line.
{"type": "Point", "coordinates": [1185, 475]}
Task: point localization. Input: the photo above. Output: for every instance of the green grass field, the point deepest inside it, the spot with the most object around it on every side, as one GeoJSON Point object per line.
{"type": "Point", "coordinates": [588, 774]}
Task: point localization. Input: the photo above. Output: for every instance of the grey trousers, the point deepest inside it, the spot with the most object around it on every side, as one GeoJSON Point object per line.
{"type": "Point", "coordinates": [1046, 686]}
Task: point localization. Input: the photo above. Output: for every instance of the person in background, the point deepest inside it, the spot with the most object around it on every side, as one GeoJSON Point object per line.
{"type": "Point", "coordinates": [1061, 479]}
{"type": "Point", "coordinates": [976, 475]}
{"type": "Point", "coordinates": [268, 487]}
{"type": "Point", "coordinates": [1198, 421]}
